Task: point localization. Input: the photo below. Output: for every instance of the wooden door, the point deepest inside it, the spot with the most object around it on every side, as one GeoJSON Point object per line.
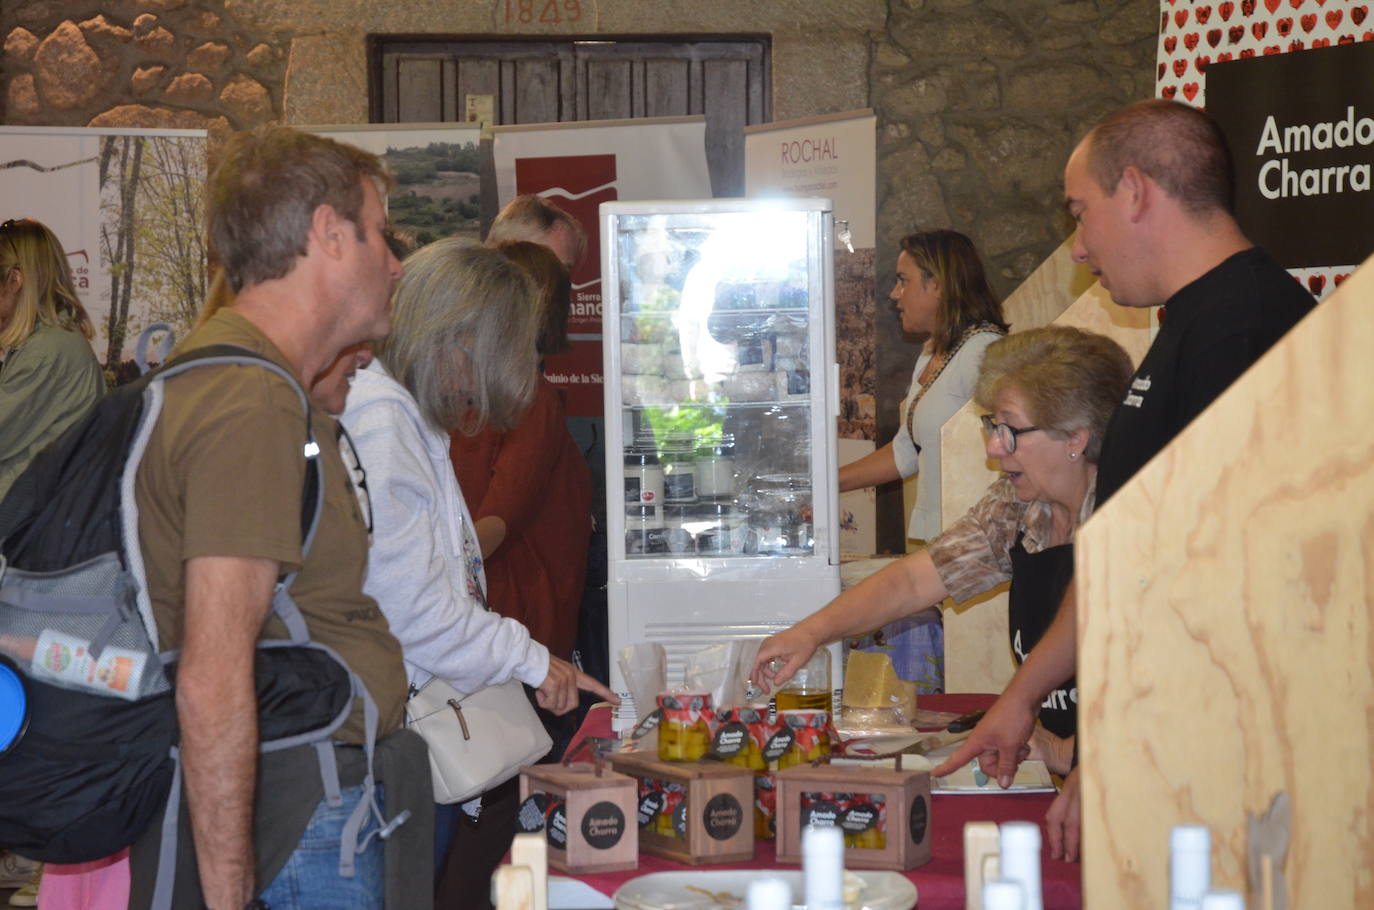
{"type": "Point", "coordinates": [724, 79]}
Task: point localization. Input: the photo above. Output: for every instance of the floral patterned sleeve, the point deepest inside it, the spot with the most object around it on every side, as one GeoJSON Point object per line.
{"type": "Point", "coordinates": [973, 554]}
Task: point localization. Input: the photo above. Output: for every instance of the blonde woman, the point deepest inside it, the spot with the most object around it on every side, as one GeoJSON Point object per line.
{"type": "Point", "coordinates": [49, 377]}
{"type": "Point", "coordinates": [461, 353]}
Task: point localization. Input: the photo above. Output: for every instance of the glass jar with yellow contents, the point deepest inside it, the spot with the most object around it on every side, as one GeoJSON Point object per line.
{"type": "Point", "coordinates": [740, 734]}
{"type": "Point", "coordinates": [810, 737]}
{"type": "Point", "coordinates": [684, 734]}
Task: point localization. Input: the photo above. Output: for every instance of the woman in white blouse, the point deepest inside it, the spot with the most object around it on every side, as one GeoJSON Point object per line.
{"type": "Point", "coordinates": [461, 353]}
{"type": "Point", "coordinates": [943, 294]}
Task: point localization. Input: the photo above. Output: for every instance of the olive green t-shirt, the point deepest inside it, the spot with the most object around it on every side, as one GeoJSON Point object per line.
{"type": "Point", "coordinates": [223, 476]}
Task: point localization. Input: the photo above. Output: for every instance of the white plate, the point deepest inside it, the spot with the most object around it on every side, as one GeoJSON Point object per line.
{"type": "Point", "coordinates": [669, 891]}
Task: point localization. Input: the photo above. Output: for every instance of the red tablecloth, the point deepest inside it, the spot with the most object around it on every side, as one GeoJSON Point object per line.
{"type": "Point", "coordinates": [939, 883]}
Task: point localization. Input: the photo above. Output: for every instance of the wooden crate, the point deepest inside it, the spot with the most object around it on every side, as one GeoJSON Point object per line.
{"type": "Point", "coordinates": [692, 812]}
{"type": "Point", "coordinates": [884, 813]}
{"type": "Point", "coordinates": [588, 820]}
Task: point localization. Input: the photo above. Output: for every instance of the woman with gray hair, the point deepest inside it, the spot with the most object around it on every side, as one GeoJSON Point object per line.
{"type": "Point", "coordinates": [460, 354]}
{"type": "Point", "coordinates": [1051, 391]}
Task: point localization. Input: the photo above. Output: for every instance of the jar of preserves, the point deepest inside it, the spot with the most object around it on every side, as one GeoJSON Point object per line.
{"type": "Point", "coordinates": [684, 734]}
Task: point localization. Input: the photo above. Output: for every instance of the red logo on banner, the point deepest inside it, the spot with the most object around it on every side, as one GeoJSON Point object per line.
{"type": "Point", "coordinates": [578, 184]}
{"type": "Point", "coordinates": [577, 371]}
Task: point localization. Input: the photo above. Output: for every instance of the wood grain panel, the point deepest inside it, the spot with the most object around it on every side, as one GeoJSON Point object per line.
{"type": "Point", "coordinates": [666, 83]}
{"type": "Point", "coordinates": [1048, 291]}
{"type": "Point", "coordinates": [725, 87]}
{"type": "Point", "coordinates": [977, 655]}
{"type": "Point", "coordinates": [536, 90]}
{"type": "Point", "coordinates": [608, 90]}
{"type": "Point", "coordinates": [419, 89]}
{"type": "Point", "coordinates": [478, 76]}
{"type": "Point", "coordinates": [1226, 649]}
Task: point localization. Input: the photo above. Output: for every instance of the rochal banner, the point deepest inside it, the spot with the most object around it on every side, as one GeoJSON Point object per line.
{"type": "Point", "coordinates": [577, 166]}
{"type": "Point", "coordinates": [835, 157]}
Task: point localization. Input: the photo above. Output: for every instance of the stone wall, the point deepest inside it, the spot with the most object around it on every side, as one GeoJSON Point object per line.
{"type": "Point", "coordinates": [156, 63]}
{"type": "Point", "coordinates": [979, 101]}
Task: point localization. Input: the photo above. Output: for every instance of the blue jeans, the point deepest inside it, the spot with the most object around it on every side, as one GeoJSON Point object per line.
{"type": "Point", "coordinates": [310, 879]}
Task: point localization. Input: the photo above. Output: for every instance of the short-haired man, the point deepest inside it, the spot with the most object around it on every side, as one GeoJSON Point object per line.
{"type": "Point", "coordinates": [298, 223]}
{"type": "Point", "coordinates": [537, 220]}
{"type": "Point", "coordinates": [1151, 188]}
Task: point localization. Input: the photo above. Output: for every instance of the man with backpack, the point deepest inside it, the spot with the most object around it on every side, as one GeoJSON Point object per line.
{"type": "Point", "coordinates": [298, 223]}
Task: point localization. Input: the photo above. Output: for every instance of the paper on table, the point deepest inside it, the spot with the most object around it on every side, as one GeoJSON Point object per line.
{"type": "Point", "coordinates": [1031, 777]}
{"type": "Point", "coordinates": [570, 894]}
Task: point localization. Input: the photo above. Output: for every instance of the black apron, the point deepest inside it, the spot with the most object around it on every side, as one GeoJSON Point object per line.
{"type": "Point", "coordinates": [1038, 582]}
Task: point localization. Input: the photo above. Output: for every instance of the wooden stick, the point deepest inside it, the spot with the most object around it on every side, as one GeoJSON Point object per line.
{"type": "Point", "coordinates": [1267, 882]}
{"type": "Point", "coordinates": [512, 888]}
{"type": "Point", "coordinates": [532, 852]}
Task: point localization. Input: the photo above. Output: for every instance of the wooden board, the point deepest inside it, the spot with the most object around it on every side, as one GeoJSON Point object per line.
{"type": "Point", "coordinates": [977, 656]}
{"type": "Point", "coordinates": [1226, 649]}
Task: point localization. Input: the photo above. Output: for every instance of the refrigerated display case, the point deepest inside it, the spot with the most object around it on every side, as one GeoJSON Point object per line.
{"type": "Point", "coordinates": [721, 390]}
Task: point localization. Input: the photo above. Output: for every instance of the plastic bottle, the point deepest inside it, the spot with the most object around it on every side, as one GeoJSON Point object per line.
{"type": "Point", "coordinates": [65, 659]}
{"type": "Point", "coordinates": [1020, 847]}
{"type": "Point", "coordinates": [769, 894]}
{"type": "Point", "coordinates": [1190, 866]}
{"type": "Point", "coordinates": [1223, 899]}
{"type": "Point", "coordinates": [1002, 894]}
{"type": "Point", "coordinates": [823, 868]}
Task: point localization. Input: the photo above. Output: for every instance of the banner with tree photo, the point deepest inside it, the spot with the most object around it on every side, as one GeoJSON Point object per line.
{"type": "Point", "coordinates": [128, 207]}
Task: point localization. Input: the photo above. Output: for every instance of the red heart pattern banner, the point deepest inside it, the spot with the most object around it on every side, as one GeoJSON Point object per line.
{"type": "Point", "coordinates": [1194, 34]}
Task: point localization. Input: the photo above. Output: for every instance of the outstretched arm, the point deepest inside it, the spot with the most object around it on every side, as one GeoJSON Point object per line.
{"type": "Point", "coordinates": [908, 585]}
{"type": "Point", "coordinates": [999, 742]}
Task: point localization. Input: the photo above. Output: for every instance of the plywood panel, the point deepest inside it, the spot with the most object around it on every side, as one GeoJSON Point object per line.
{"type": "Point", "coordinates": [1047, 291]}
{"type": "Point", "coordinates": [977, 656]}
{"type": "Point", "coordinates": [1226, 649]}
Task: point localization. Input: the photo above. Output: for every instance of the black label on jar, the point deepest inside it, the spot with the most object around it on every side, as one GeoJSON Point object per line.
{"type": "Point", "coordinates": [650, 804]}
{"type": "Point", "coordinates": [778, 744]}
{"type": "Point", "coordinates": [632, 489]}
{"type": "Point", "coordinates": [722, 816]}
{"type": "Point", "coordinates": [679, 487]}
{"type": "Point", "coordinates": [530, 817]}
{"type": "Point", "coordinates": [603, 825]}
{"type": "Point", "coordinates": [680, 819]}
{"type": "Point", "coordinates": [650, 721]}
{"type": "Point", "coordinates": [730, 740]}
{"type": "Point", "coordinates": [817, 811]}
{"type": "Point", "coordinates": [920, 817]}
{"type": "Point", "coordinates": [557, 831]}
{"type": "Point", "coordinates": [859, 817]}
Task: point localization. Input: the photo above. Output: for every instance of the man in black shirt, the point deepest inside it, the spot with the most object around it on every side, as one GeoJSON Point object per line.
{"type": "Point", "coordinates": [1150, 188]}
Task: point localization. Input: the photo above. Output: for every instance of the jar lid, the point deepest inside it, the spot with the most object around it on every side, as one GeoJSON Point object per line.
{"type": "Point", "coordinates": [639, 459]}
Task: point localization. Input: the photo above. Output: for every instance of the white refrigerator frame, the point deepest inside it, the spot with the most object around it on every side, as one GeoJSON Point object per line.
{"type": "Point", "coordinates": [689, 603]}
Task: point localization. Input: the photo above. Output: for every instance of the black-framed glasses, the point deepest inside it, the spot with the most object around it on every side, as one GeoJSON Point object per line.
{"type": "Point", "coordinates": [1004, 432]}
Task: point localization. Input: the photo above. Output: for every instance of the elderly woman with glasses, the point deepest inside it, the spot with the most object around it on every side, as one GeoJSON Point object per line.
{"type": "Point", "coordinates": [49, 377]}
{"type": "Point", "coordinates": [1050, 392]}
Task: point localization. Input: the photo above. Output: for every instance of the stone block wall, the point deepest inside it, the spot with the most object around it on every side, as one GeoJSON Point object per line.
{"type": "Point", "coordinates": [979, 101]}
{"type": "Point", "coordinates": [154, 63]}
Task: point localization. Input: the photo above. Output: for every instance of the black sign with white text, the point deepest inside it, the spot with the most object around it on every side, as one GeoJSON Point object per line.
{"type": "Point", "coordinates": [1301, 130]}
